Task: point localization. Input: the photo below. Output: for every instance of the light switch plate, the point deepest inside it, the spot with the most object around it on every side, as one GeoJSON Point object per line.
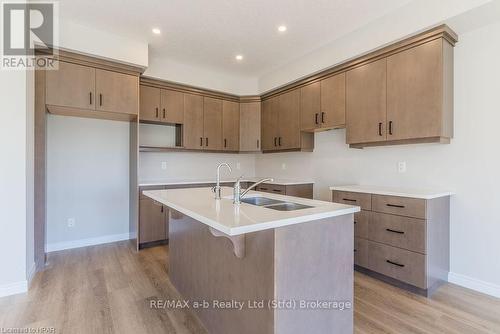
{"type": "Point", "coordinates": [283, 166]}
{"type": "Point", "coordinates": [71, 222]}
{"type": "Point", "coordinates": [164, 165]}
{"type": "Point", "coordinates": [402, 167]}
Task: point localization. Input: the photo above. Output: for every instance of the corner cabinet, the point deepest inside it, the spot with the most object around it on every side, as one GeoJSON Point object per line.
{"type": "Point", "coordinates": [250, 121]}
{"type": "Point", "coordinates": [281, 124]}
{"type": "Point", "coordinates": [406, 97]}
{"type": "Point", "coordinates": [230, 126]}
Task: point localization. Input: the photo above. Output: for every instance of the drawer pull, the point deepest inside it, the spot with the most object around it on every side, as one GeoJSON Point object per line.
{"type": "Point", "coordinates": [355, 222]}
{"type": "Point", "coordinates": [394, 231]}
{"type": "Point", "coordinates": [349, 200]}
{"type": "Point", "coordinates": [396, 206]}
{"type": "Point", "coordinates": [395, 263]}
{"type": "Point", "coordinates": [355, 250]}
{"type": "Point", "coordinates": [276, 190]}
{"type": "Point", "coordinates": [263, 188]}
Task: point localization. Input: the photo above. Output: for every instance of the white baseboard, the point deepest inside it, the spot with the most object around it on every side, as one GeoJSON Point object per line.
{"type": "Point", "coordinates": [475, 284]}
{"type": "Point", "coordinates": [58, 246]}
{"type": "Point", "coordinates": [13, 288]}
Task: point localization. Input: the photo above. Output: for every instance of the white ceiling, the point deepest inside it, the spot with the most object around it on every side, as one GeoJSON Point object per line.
{"type": "Point", "coordinates": [210, 33]}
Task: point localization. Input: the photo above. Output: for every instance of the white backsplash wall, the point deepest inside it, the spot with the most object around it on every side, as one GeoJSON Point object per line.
{"type": "Point", "coordinates": [192, 166]}
{"type": "Point", "coordinates": [87, 179]}
{"type": "Point", "coordinates": [469, 166]}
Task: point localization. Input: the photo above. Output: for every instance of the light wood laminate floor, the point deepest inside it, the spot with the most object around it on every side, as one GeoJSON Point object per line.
{"type": "Point", "coordinates": [108, 288]}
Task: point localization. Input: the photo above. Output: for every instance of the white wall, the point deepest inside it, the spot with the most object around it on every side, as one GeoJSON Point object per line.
{"type": "Point", "coordinates": [87, 179]}
{"type": "Point", "coordinates": [13, 184]}
{"type": "Point", "coordinates": [199, 76]}
{"type": "Point", "coordinates": [469, 166]}
{"type": "Point", "coordinates": [192, 166]}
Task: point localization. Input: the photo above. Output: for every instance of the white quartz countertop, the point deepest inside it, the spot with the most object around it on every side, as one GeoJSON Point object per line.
{"type": "Point", "coordinates": [390, 191]}
{"type": "Point", "coordinates": [231, 219]}
{"type": "Point", "coordinates": [282, 182]}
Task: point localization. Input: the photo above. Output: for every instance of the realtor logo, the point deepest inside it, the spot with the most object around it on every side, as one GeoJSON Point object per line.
{"type": "Point", "coordinates": [26, 27]}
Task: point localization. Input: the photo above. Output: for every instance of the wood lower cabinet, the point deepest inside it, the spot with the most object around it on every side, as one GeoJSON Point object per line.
{"type": "Point", "coordinates": [250, 122]}
{"type": "Point", "coordinates": [212, 123]}
{"type": "Point", "coordinates": [401, 240]}
{"type": "Point", "coordinates": [117, 92]}
{"type": "Point", "coordinates": [71, 86]}
{"type": "Point", "coordinates": [193, 122]}
{"type": "Point", "coordinates": [153, 218]}
{"type": "Point", "coordinates": [297, 190]}
{"type": "Point", "coordinates": [230, 126]}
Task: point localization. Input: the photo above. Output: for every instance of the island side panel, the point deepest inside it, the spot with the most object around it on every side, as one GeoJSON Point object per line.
{"type": "Point", "coordinates": [204, 267]}
{"type": "Point", "coordinates": [314, 261]}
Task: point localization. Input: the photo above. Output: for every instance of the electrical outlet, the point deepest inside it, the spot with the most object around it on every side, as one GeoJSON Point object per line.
{"type": "Point", "coordinates": [164, 165]}
{"type": "Point", "coordinates": [283, 166]}
{"type": "Point", "coordinates": [238, 166]}
{"type": "Point", "coordinates": [71, 222]}
{"type": "Point", "coordinates": [402, 167]}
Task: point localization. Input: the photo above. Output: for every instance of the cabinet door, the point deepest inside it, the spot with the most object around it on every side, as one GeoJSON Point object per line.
{"type": "Point", "coordinates": [366, 103]}
{"type": "Point", "coordinates": [250, 126]}
{"type": "Point", "coordinates": [310, 109]}
{"type": "Point", "coordinates": [149, 98]}
{"type": "Point", "coordinates": [193, 122]}
{"type": "Point", "coordinates": [415, 92]}
{"type": "Point", "coordinates": [71, 86]}
{"type": "Point", "coordinates": [117, 92]}
{"type": "Point", "coordinates": [172, 106]}
{"type": "Point", "coordinates": [270, 124]}
{"type": "Point", "coordinates": [212, 123]}
{"type": "Point", "coordinates": [152, 221]}
{"type": "Point", "coordinates": [333, 102]}
{"type": "Point", "coordinates": [230, 126]}
{"type": "Point", "coordinates": [289, 120]}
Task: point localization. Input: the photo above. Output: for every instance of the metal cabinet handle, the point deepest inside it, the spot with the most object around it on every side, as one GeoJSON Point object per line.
{"type": "Point", "coordinates": [322, 117]}
{"type": "Point", "coordinates": [206, 141]}
{"type": "Point", "coordinates": [225, 142]}
{"type": "Point", "coordinates": [390, 128]}
{"type": "Point", "coordinates": [156, 112]}
{"type": "Point", "coordinates": [279, 141]}
{"type": "Point", "coordinates": [164, 115]}
{"type": "Point", "coordinates": [380, 129]}
{"type": "Point", "coordinates": [262, 188]}
{"type": "Point", "coordinates": [275, 138]}
{"type": "Point", "coordinates": [316, 118]}
{"type": "Point", "coordinates": [162, 208]}
{"type": "Point", "coordinates": [100, 99]}
{"type": "Point", "coordinates": [201, 141]}
{"type": "Point", "coordinates": [349, 200]}
{"type": "Point", "coordinates": [394, 231]}
{"type": "Point", "coordinates": [355, 222]}
{"type": "Point", "coordinates": [395, 263]}
{"type": "Point", "coordinates": [276, 190]}
{"type": "Point", "coordinates": [395, 206]}
{"type": "Point", "coordinates": [258, 142]}
{"type": "Point", "coordinates": [90, 95]}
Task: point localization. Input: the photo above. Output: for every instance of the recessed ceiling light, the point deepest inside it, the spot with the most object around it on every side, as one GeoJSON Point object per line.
{"type": "Point", "coordinates": [156, 31]}
{"type": "Point", "coordinates": [282, 28]}
{"type": "Point", "coordinates": [239, 57]}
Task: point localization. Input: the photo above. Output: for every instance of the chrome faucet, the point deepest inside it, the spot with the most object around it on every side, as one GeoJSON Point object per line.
{"type": "Point", "coordinates": [217, 188]}
{"type": "Point", "coordinates": [238, 195]}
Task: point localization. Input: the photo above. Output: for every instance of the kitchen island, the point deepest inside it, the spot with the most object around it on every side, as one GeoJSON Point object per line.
{"type": "Point", "coordinates": [261, 267]}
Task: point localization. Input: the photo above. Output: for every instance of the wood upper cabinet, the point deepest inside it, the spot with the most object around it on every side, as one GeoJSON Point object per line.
{"type": "Point", "coordinates": [150, 101]}
{"type": "Point", "coordinates": [289, 120]}
{"type": "Point", "coordinates": [416, 88]}
{"type": "Point", "coordinates": [366, 103]}
{"type": "Point", "coordinates": [212, 123]}
{"type": "Point", "coordinates": [71, 86]}
{"type": "Point", "coordinates": [117, 92]}
{"type": "Point", "coordinates": [230, 126]}
{"type": "Point", "coordinates": [193, 122]}
{"type": "Point", "coordinates": [269, 126]}
{"type": "Point", "coordinates": [172, 106]}
{"type": "Point", "coordinates": [310, 106]}
{"type": "Point", "coordinates": [250, 114]}
{"type": "Point", "coordinates": [153, 219]}
{"type": "Point", "coordinates": [333, 102]}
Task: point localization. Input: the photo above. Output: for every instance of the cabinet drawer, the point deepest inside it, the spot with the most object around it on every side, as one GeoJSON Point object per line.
{"type": "Point", "coordinates": [398, 231]}
{"type": "Point", "coordinates": [361, 224]}
{"type": "Point", "coordinates": [271, 188]}
{"type": "Point", "coordinates": [361, 252]}
{"type": "Point", "coordinates": [141, 189]}
{"type": "Point", "coordinates": [403, 206]}
{"type": "Point", "coordinates": [401, 264]}
{"type": "Point", "coordinates": [359, 199]}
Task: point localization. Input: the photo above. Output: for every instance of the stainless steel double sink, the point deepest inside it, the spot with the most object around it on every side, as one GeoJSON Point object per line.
{"type": "Point", "coordinates": [274, 204]}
